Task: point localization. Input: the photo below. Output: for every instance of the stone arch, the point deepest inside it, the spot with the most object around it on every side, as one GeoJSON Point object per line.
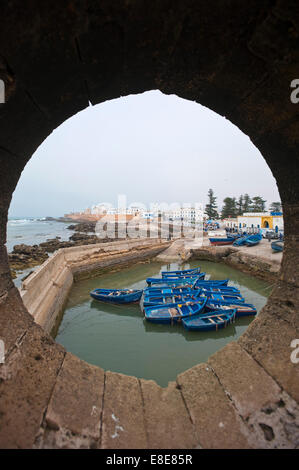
{"type": "Point", "coordinates": [239, 61]}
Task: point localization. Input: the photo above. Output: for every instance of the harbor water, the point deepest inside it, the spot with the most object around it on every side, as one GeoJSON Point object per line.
{"type": "Point", "coordinates": [119, 339]}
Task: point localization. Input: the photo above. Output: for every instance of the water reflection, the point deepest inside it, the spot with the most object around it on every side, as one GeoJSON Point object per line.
{"type": "Point", "coordinates": [131, 310]}
{"type": "Point", "coordinates": [227, 332]}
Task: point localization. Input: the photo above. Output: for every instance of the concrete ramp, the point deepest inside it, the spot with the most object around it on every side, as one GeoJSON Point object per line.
{"type": "Point", "coordinates": [179, 250]}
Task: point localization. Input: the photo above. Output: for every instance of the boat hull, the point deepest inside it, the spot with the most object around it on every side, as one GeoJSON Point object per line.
{"type": "Point", "coordinates": [221, 241]}
{"type": "Point", "coordinates": [212, 321]}
{"type": "Point", "coordinates": [165, 299]}
{"type": "Point", "coordinates": [277, 246]}
{"type": "Point", "coordinates": [109, 296]}
{"type": "Point", "coordinates": [242, 309]}
{"type": "Point", "coordinates": [173, 313]}
{"type": "Point", "coordinates": [185, 272]}
{"type": "Point", "coordinates": [253, 240]}
{"type": "Point", "coordinates": [175, 280]}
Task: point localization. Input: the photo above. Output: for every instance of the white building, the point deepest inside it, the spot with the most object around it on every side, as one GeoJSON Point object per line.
{"type": "Point", "coordinates": [184, 213]}
{"type": "Point", "coordinates": [256, 220]}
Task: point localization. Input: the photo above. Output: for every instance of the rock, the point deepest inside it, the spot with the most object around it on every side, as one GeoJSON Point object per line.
{"type": "Point", "coordinates": [83, 227]}
{"type": "Point", "coordinates": [23, 249]}
{"type": "Point", "coordinates": [25, 256]}
{"type": "Point", "coordinates": [51, 245]}
{"type": "Point", "coordinates": [83, 237]}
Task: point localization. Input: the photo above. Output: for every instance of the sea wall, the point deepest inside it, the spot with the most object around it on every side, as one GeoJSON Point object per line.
{"type": "Point", "coordinates": [45, 291]}
{"type": "Point", "coordinates": [266, 268]}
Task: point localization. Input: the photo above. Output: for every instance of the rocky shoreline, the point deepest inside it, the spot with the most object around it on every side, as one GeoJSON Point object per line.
{"type": "Point", "coordinates": [28, 256]}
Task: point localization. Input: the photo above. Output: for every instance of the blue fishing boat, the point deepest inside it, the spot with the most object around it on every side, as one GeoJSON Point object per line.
{"type": "Point", "coordinates": [117, 296]}
{"type": "Point", "coordinates": [151, 293]}
{"type": "Point", "coordinates": [222, 241]}
{"type": "Point", "coordinates": [220, 289]}
{"type": "Point", "coordinates": [211, 282]}
{"type": "Point", "coordinates": [169, 290]}
{"type": "Point", "coordinates": [226, 295]}
{"type": "Point", "coordinates": [210, 321]}
{"type": "Point", "coordinates": [184, 272]}
{"type": "Point", "coordinates": [253, 240]}
{"type": "Point", "coordinates": [173, 313]}
{"type": "Point", "coordinates": [277, 246]}
{"type": "Point", "coordinates": [182, 289]}
{"type": "Point", "coordinates": [240, 241]}
{"type": "Point", "coordinates": [151, 281]}
{"type": "Point", "coordinates": [242, 309]}
{"type": "Point", "coordinates": [223, 296]}
{"type": "Point", "coordinates": [235, 235]}
{"type": "Point", "coordinates": [162, 299]}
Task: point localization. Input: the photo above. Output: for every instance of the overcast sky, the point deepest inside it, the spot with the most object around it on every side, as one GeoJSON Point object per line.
{"type": "Point", "coordinates": [150, 147]}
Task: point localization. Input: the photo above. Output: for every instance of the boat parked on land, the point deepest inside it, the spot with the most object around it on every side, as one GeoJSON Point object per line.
{"type": "Point", "coordinates": [240, 241]}
{"type": "Point", "coordinates": [173, 313]}
{"type": "Point", "coordinates": [210, 321]}
{"type": "Point", "coordinates": [222, 241]}
{"type": "Point", "coordinates": [277, 246]}
{"type": "Point", "coordinates": [253, 240]}
{"type": "Point", "coordinates": [117, 296]}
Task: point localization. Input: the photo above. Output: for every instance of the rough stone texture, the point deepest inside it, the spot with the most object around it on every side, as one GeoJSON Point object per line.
{"type": "Point", "coordinates": [248, 385]}
{"type": "Point", "coordinates": [26, 382]}
{"type": "Point", "coordinates": [123, 424]}
{"type": "Point", "coordinates": [215, 420]}
{"type": "Point", "coordinates": [260, 262]}
{"type": "Point", "coordinates": [168, 423]}
{"type": "Point", "coordinates": [92, 267]}
{"type": "Point", "coordinates": [238, 59]}
{"type": "Point", "coordinates": [277, 424]}
{"type": "Point", "coordinates": [75, 408]}
{"type": "Point", "coordinates": [5, 280]}
{"type": "Point", "coordinates": [14, 318]}
{"type": "Point", "coordinates": [268, 339]}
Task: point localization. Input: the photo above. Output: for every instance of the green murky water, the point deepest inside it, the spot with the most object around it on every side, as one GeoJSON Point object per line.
{"type": "Point", "coordinates": [117, 338]}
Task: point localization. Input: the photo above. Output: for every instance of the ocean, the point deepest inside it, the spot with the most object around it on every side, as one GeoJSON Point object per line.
{"type": "Point", "coordinates": [32, 231]}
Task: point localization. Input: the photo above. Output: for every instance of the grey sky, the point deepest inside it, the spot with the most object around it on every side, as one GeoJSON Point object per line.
{"type": "Point", "coordinates": [151, 147]}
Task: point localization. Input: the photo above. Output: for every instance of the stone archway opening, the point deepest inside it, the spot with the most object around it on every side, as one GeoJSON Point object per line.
{"type": "Point", "coordinates": [53, 62]}
{"type": "Point", "coordinates": [77, 145]}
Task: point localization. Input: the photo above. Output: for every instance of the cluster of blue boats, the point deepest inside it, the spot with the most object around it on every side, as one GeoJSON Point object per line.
{"type": "Point", "coordinates": [238, 239]}
{"type": "Point", "coordinates": [184, 297]}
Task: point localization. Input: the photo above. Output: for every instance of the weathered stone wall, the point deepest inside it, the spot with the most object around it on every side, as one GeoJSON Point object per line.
{"type": "Point", "coordinates": [236, 58]}
{"type": "Point", "coordinates": [45, 292]}
{"type": "Point", "coordinates": [262, 268]}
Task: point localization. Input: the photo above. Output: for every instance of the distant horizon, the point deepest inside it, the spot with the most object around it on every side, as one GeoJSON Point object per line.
{"type": "Point", "coordinates": [219, 208]}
